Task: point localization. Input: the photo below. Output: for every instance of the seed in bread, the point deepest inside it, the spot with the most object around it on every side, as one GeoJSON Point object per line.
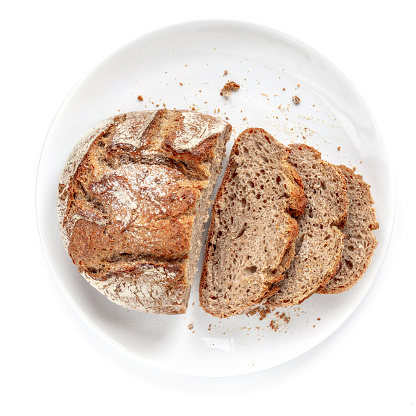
{"type": "Point", "coordinates": [359, 242]}
{"type": "Point", "coordinates": [252, 231]}
{"type": "Point", "coordinates": [320, 241]}
{"type": "Point", "coordinates": [132, 201]}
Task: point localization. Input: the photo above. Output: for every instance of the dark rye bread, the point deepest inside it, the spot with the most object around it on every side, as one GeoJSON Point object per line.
{"type": "Point", "coordinates": [320, 242]}
{"type": "Point", "coordinates": [359, 242]}
{"type": "Point", "coordinates": [132, 201]}
{"type": "Point", "coordinates": [252, 231]}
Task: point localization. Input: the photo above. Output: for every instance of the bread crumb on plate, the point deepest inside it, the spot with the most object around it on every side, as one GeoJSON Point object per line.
{"type": "Point", "coordinates": [228, 88]}
{"type": "Point", "coordinates": [296, 99]}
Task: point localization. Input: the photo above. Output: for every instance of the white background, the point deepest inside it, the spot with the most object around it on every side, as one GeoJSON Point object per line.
{"type": "Point", "coordinates": [51, 363]}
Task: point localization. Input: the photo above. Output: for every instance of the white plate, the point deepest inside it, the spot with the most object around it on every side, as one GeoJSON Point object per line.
{"type": "Point", "coordinates": [183, 67]}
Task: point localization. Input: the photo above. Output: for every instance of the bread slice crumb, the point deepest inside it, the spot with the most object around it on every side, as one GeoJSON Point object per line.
{"type": "Point", "coordinates": [228, 88]}
{"type": "Point", "coordinates": [280, 318]}
{"type": "Point", "coordinates": [296, 99]}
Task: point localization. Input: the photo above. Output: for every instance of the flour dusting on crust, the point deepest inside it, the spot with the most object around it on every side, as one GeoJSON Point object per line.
{"type": "Point", "coordinates": [140, 287]}
{"type": "Point", "coordinates": [131, 130]}
{"type": "Point", "coordinates": [71, 166]}
{"type": "Point", "coordinates": [196, 128]}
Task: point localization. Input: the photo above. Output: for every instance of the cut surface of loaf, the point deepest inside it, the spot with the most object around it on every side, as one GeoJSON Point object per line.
{"type": "Point", "coordinates": [132, 201]}
{"type": "Point", "coordinates": [252, 232]}
{"type": "Point", "coordinates": [359, 242]}
{"type": "Point", "coordinates": [320, 242]}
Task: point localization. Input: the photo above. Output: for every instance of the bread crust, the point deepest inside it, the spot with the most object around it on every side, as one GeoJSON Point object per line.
{"type": "Point", "coordinates": [128, 199]}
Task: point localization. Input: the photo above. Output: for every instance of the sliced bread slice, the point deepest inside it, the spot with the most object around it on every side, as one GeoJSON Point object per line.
{"type": "Point", "coordinates": [252, 231]}
{"type": "Point", "coordinates": [320, 242]}
{"type": "Point", "coordinates": [359, 242]}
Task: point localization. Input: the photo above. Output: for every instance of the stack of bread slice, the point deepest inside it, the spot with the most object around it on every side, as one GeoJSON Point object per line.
{"type": "Point", "coordinates": [285, 224]}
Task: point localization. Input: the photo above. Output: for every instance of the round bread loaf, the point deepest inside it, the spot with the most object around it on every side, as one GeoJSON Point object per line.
{"type": "Point", "coordinates": [132, 201]}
